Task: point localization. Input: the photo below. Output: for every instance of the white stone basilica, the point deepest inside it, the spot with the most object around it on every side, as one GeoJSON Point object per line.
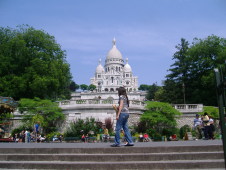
{"type": "Point", "coordinates": [114, 73]}
{"type": "Point", "coordinates": [98, 103]}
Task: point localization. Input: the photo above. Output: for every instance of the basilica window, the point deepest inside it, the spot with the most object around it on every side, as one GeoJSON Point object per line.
{"type": "Point", "coordinates": [77, 113]}
{"type": "Point", "coordinates": [112, 79]}
{"type": "Point", "coordinates": [127, 83]}
{"type": "Point", "coordinates": [119, 68]}
{"type": "Point", "coordinates": [116, 68]}
{"type": "Point", "coordinates": [127, 75]}
{"type": "Point", "coordinates": [99, 76]}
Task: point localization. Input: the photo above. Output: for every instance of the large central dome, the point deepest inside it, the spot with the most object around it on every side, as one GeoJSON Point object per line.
{"type": "Point", "coordinates": [114, 52]}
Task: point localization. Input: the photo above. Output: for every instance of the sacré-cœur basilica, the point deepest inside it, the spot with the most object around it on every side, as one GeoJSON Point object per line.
{"type": "Point", "coordinates": [98, 103]}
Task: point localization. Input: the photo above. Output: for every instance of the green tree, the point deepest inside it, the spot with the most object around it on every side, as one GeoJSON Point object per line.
{"type": "Point", "coordinates": [192, 76]}
{"type": "Point", "coordinates": [171, 92]}
{"type": "Point", "coordinates": [178, 77]}
{"type": "Point", "coordinates": [158, 117]}
{"type": "Point", "coordinates": [74, 86]}
{"type": "Point", "coordinates": [32, 65]}
{"type": "Point", "coordinates": [179, 70]}
{"type": "Point", "coordinates": [92, 87]}
{"type": "Point", "coordinates": [159, 94]}
{"type": "Point", "coordinates": [144, 87]}
{"type": "Point", "coordinates": [205, 55]}
{"type": "Point", "coordinates": [46, 112]}
{"type": "Point", "coordinates": [84, 87]}
{"type": "Point", "coordinates": [151, 91]}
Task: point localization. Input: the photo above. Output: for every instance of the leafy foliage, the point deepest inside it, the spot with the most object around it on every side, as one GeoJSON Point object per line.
{"type": "Point", "coordinates": [5, 113]}
{"type": "Point", "coordinates": [144, 87]}
{"type": "Point", "coordinates": [46, 112]}
{"type": "Point", "coordinates": [151, 91]}
{"type": "Point", "coordinates": [184, 129]}
{"type": "Point", "coordinates": [109, 124]}
{"type": "Point", "coordinates": [211, 111]}
{"type": "Point", "coordinates": [32, 65]}
{"type": "Point", "coordinates": [192, 76]}
{"type": "Point", "coordinates": [79, 127]}
{"type": "Point", "coordinates": [74, 86]}
{"type": "Point", "coordinates": [92, 87]}
{"type": "Point", "coordinates": [84, 87]}
{"type": "Point", "coordinates": [156, 118]}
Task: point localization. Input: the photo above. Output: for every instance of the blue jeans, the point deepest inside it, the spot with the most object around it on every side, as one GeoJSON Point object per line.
{"type": "Point", "coordinates": [122, 124]}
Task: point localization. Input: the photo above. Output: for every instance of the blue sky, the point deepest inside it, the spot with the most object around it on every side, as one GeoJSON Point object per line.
{"type": "Point", "coordinates": [146, 31]}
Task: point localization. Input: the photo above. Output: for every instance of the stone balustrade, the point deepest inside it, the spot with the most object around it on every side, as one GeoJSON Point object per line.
{"type": "Point", "coordinates": [97, 102]}
{"type": "Point", "coordinates": [183, 108]}
{"type": "Point", "coordinates": [188, 108]}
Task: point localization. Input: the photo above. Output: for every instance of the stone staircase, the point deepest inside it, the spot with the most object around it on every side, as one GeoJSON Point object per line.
{"type": "Point", "coordinates": [153, 157]}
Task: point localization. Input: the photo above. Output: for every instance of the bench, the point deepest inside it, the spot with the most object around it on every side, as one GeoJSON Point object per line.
{"type": "Point", "coordinates": [92, 139]}
{"type": "Point", "coordinates": [6, 140]}
{"type": "Point", "coordinates": [78, 139]}
{"type": "Point", "coordinates": [72, 139]}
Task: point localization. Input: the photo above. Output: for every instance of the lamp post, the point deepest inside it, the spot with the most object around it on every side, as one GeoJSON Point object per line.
{"type": "Point", "coordinates": [183, 85]}
{"type": "Point", "coordinates": [221, 105]}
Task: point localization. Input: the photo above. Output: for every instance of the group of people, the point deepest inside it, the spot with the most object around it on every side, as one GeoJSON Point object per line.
{"type": "Point", "coordinates": [26, 136]}
{"type": "Point", "coordinates": [103, 135]}
{"type": "Point", "coordinates": [204, 127]}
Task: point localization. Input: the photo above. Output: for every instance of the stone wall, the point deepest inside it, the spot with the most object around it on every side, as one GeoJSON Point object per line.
{"type": "Point", "coordinates": [186, 119]}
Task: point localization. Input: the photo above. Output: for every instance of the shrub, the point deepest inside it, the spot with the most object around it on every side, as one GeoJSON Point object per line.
{"type": "Point", "coordinates": [109, 125]}
{"type": "Point", "coordinates": [170, 132]}
{"type": "Point", "coordinates": [50, 136]}
{"type": "Point", "coordinates": [183, 130]}
{"type": "Point", "coordinates": [79, 127]}
{"type": "Point", "coordinates": [20, 129]}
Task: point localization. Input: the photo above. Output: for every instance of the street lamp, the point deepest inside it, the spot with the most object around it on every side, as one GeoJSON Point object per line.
{"type": "Point", "coordinates": [183, 85]}
{"type": "Point", "coordinates": [221, 104]}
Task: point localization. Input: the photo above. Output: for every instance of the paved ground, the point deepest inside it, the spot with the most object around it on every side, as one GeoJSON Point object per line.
{"type": "Point", "coordinates": [105, 145]}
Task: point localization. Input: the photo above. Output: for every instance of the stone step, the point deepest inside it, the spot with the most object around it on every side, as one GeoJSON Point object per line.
{"type": "Point", "coordinates": [162, 155]}
{"type": "Point", "coordinates": [151, 149]}
{"type": "Point", "coordinates": [114, 157]}
{"type": "Point", "coordinates": [179, 164]}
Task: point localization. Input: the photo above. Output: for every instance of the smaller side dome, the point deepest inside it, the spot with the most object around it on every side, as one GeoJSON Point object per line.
{"type": "Point", "coordinates": [99, 68]}
{"type": "Point", "coordinates": [127, 67]}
